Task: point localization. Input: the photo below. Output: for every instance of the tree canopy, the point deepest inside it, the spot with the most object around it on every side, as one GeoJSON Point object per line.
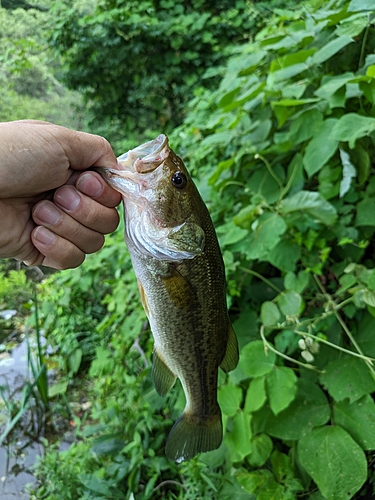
{"type": "Point", "coordinates": [140, 61]}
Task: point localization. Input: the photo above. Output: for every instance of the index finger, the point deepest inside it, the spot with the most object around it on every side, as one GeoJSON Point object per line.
{"type": "Point", "coordinates": [93, 185]}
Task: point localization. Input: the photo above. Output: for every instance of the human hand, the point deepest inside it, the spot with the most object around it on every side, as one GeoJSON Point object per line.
{"type": "Point", "coordinates": [50, 212]}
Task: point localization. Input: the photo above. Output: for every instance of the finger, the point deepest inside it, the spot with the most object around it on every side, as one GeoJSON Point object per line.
{"type": "Point", "coordinates": [86, 211]}
{"type": "Point", "coordinates": [86, 150]}
{"type": "Point", "coordinates": [55, 251]}
{"type": "Point", "coordinates": [94, 186]}
{"type": "Point", "coordinates": [47, 214]}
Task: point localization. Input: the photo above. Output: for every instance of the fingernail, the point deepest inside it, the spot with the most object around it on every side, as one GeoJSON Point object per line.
{"type": "Point", "coordinates": [48, 213]}
{"type": "Point", "coordinates": [90, 185]}
{"type": "Point", "coordinates": [44, 235]}
{"type": "Point", "coordinates": [67, 197]}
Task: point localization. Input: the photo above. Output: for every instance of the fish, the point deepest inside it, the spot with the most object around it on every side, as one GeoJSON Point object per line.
{"type": "Point", "coordinates": [181, 278]}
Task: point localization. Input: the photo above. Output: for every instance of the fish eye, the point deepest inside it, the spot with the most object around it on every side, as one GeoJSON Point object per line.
{"type": "Point", "coordinates": [179, 180]}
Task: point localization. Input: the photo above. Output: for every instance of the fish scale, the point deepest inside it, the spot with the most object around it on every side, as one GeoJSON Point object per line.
{"type": "Point", "coordinates": [181, 279]}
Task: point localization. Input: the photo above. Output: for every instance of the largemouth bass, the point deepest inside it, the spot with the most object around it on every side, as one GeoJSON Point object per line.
{"type": "Point", "coordinates": [181, 279]}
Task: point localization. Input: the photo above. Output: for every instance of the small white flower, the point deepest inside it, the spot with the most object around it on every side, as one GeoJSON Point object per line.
{"type": "Point", "coordinates": [302, 344]}
{"type": "Point", "coordinates": [307, 356]}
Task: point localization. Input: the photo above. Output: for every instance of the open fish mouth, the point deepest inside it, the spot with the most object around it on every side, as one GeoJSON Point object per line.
{"type": "Point", "coordinates": [146, 157]}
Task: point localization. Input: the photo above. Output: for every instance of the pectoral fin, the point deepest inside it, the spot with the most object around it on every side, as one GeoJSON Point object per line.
{"type": "Point", "coordinates": [162, 376]}
{"type": "Point", "coordinates": [143, 296]}
{"type": "Point", "coordinates": [230, 359]}
{"type": "Point", "coordinates": [179, 289]}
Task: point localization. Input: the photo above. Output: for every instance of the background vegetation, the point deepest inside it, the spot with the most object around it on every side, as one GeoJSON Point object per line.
{"type": "Point", "coordinates": [272, 110]}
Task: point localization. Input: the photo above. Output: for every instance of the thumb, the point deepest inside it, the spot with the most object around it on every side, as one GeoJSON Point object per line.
{"type": "Point", "coordinates": [88, 150]}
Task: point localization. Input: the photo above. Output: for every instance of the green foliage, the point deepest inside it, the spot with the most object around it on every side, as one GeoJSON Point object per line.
{"type": "Point", "coordinates": [13, 284]}
{"type": "Point", "coordinates": [139, 62]}
{"type": "Point", "coordinates": [29, 87]}
{"type": "Point", "coordinates": [282, 151]}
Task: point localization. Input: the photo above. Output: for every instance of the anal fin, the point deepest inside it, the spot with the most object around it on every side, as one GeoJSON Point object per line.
{"type": "Point", "coordinates": [231, 356]}
{"type": "Point", "coordinates": [162, 376]}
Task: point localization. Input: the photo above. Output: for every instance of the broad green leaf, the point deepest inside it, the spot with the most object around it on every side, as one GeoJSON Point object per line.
{"type": "Point", "coordinates": [330, 49]}
{"type": "Point", "coordinates": [366, 337]}
{"type": "Point", "coordinates": [294, 90]}
{"type": "Point", "coordinates": [230, 233]}
{"type": "Point", "coordinates": [334, 460]}
{"type": "Point", "coordinates": [266, 235]}
{"type": "Point", "coordinates": [247, 95]}
{"type": "Point", "coordinates": [365, 212]}
{"type": "Point", "coordinates": [256, 394]}
{"type": "Point", "coordinates": [281, 388]}
{"type": "Point", "coordinates": [74, 360]}
{"type": "Point", "coordinates": [290, 303]}
{"type": "Point", "coordinates": [262, 483]}
{"type": "Point", "coordinates": [285, 255]}
{"type": "Point", "coordinates": [309, 409]}
{"type": "Point", "coordinates": [246, 327]}
{"type": "Point", "coordinates": [358, 419]}
{"type": "Point", "coordinates": [273, 491]}
{"type": "Point", "coordinates": [290, 59]}
{"type": "Point", "coordinates": [286, 341]}
{"type": "Point", "coordinates": [262, 183]}
{"type": "Point", "coordinates": [348, 172]}
{"type": "Point", "coordinates": [254, 481]}
{"type": "Point", "coordinates": [286, 73]}
{"type": "Point", "coordinates": [219, 138]}
{"type": "Point", "coordinates": [222, 166]}
{"type": "Point", "coordinates": [296, 282]}
{"type": "Point", "coordinates": [282, 113]}
{"type": "Point", "coordinates": [56, 389]}
{"type": "Point", "coordinates": [305, 125]}
{"type": "Point", "coordinates": [281, 466]}
{"type": "Point", "coordinates": [255, 361]}
{"type": "Point", "coordinates": [351, 127]}
{"type": "Point", "coordinates": [368, 297]}
{"type": "Point", "coordinates": [107, 444]}
{"type": "Point", "coordinates": [331, 84]}
{"type": "Point", "coordinates": [292, 102]}
{"type": "Point", "coordinates": [238, 439]}
{"type": "Point", "coordinates": [245, 217]}
{"type": "Point", "coordinates": [360, 5]}
{"type": "Point", "coordinates": [262, 447]}
{"type": "Point", "coordinates": [269, 313]}
{"type": "Point", "coordinates": [259, 133]}
{"type": "Point", "coordinates": [347, 377]}
{"type": "Point", "coordinates": [229, 397]}
{"type": "Point", "coordinates": [97, 485]}
{"type": "Point", "coordinates": [321, 147]}
{"type": "Point", "coordinates": [329, 181]}
{"type": "Point", "coordinates": [361, 160]}
{"type": "Point", "coordinates": [247, 63]}
{"type": "Point", "coordinates": [226, 99]}
{"type": "Point", "coordinates": [311, 202]}
{"type": "Point", "coordinates": [353, 25]}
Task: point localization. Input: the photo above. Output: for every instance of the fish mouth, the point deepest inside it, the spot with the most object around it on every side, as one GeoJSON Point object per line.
{"type": "Point", "coordinates": [130, 179]}
{"type": "Point", "coordinates": [146, 157]}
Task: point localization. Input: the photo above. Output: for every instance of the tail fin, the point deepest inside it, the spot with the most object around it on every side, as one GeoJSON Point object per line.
{"type": "Point", "coordinates": [193, 434]}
